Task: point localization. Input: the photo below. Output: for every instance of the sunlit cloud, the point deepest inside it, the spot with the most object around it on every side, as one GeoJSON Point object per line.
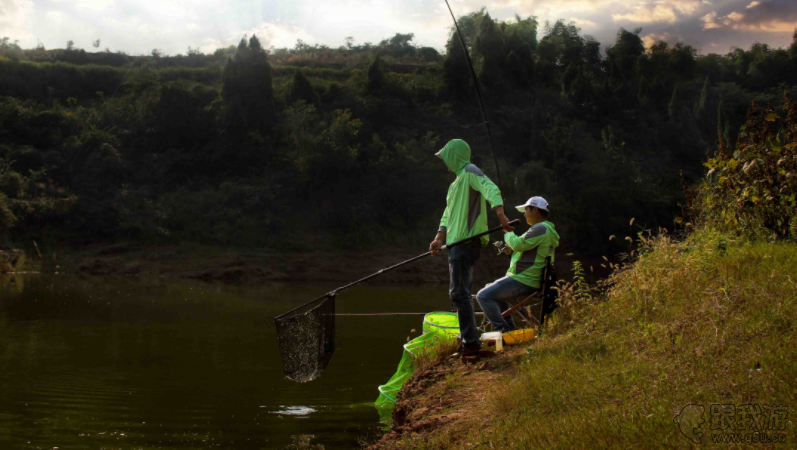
{"type": "Point", "coordinates": [650, 39]}
{"type": "Point", "coordinates": [761, 16]}
{"type": "Point", "coordinates": [660, 11]}
{"type": "Point", "coordinates": [172, 26]}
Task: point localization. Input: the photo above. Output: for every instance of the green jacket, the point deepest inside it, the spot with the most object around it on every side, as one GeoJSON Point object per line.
{"type": "Point", "coordinates": [466, 210]}
{"type": "Point", "coordinates": [529, 253]}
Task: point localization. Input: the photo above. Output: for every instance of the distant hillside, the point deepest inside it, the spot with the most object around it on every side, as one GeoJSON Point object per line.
{"type": "Point", "coordinates": [315, 147]}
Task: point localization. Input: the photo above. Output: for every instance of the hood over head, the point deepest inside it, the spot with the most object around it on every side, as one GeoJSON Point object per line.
{"type": "Point", "coordinates": [456, 155]}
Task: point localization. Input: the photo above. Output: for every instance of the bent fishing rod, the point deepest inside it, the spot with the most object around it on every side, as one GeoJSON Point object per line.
{"type": "Point", "coordinates": [387, 269]}
{"type": "Point", "coordinates": [478, 94]}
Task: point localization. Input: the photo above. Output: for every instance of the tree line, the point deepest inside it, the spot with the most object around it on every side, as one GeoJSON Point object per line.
{"type": "Point", "coordinates": [318, 147]}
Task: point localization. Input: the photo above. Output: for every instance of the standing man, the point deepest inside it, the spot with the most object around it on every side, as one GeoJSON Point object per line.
{"type": "Point", "coordinates": [465, 216]}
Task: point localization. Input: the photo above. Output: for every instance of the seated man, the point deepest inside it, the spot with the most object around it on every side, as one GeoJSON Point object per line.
{"type": "Point", "coordinates": [524, 276]}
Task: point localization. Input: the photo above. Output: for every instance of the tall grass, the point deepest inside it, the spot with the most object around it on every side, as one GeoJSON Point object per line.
{"type": "Point", "coordinates": [705, 321]}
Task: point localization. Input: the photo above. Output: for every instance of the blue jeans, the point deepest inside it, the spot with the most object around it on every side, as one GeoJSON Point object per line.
{"type": "Point", "coordinates": [460, 268]}
{"type": "Point", "coordinates": [493, 300]}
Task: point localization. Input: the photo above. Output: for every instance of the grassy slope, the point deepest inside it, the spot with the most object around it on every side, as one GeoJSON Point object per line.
{"type": "Point", "coordinates": [704, 321]}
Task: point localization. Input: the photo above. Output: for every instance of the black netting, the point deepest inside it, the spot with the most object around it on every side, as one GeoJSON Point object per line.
{"type": "Point", "coordinates": [307, 339]}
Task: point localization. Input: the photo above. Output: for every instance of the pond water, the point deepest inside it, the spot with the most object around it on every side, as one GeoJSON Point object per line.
{"type": "Point", "coordinates": [91, 362]}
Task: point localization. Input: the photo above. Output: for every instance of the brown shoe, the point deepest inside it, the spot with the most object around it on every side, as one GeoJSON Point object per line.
{"type": "Point", "coordinates": [458, 354]}
{"type": "Point", "coordinates": [471, 356]}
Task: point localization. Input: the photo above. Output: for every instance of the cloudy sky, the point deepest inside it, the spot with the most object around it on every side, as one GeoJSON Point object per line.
{"type": "Point", "coordinates": [138, 26]}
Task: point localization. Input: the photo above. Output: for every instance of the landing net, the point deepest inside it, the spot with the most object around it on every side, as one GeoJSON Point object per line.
{"type": "Point", "coordinates": [307, 339]}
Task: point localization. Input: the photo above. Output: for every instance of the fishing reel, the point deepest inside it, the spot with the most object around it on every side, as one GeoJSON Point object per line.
{"type": "Point", "coordinates": [500, 247]}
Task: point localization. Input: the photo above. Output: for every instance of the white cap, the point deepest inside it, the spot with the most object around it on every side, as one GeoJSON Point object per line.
{"type": "Point", "coordinates": [535, 202]}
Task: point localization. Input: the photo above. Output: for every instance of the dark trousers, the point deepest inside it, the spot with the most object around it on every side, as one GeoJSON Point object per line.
{"type": "Point", "coordinates": [461, 260]}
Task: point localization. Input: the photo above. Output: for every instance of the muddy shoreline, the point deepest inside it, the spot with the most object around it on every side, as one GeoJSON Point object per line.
{"type": "Point", "coordinates": [251, 265]}
{"type": "Point", "coordinates": [446, 397]}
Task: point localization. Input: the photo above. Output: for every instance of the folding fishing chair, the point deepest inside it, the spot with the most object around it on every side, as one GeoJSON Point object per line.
{"type": "Point", "coordinates": [546, 301]}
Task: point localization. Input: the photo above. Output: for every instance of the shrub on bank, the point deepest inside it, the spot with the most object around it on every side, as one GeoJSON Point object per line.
{"type": "Point", "coordinates": [753, 190]}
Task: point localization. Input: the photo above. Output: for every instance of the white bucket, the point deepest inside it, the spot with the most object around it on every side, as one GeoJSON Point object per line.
{"type": "Point", "coordinates": [493, 341]}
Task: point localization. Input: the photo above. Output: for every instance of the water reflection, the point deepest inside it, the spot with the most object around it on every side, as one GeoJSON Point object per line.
{"type": "Point", "coordinates": [93, 362]}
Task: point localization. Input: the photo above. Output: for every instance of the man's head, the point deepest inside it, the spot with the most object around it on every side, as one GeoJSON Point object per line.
{"type": "Point", "coordinates": [535, 210]}
{"type": "Point", "coordinates": [456, 155]}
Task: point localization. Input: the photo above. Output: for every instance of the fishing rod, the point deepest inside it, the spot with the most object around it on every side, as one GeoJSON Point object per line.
{"type": "Point", "coordinates": [387, 269]}
{"type": "Point", "coordinates": [478, 94]}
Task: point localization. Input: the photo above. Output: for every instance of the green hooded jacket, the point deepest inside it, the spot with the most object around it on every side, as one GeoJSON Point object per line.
{"type": "Point", "coordinates": [466, 210]}
{"type": "Point", "coordinates": [529, 252]}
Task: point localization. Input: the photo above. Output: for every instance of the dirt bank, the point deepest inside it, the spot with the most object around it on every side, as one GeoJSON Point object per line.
{"type": "Point", "coordinates": [447, 397]}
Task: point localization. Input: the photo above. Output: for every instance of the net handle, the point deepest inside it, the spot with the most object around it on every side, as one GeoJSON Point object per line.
{"type": "Point", "coordinates": [387, 269]}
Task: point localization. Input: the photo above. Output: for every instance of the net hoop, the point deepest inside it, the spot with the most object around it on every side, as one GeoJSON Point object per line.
{"type": "Point", "coordinates": [446, 322]}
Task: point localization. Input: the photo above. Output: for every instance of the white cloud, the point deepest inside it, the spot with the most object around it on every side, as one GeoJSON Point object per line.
{"type": "Point", "coordinates": [710, 21]}
{"type": "Point", "coordinates": [660, 11]}
{"type": "Point", "coordinates": [736, 21]}
{"type": "Point", "coordinates": [735, 17]}
{"type": "Point", "coordinates": [585, 23]}
{"type": "Point", "coordinates": [14, 16]}
{"type": "Point", "coordinates": [138, 26]}
{"type": "Point", "coordinates": [92, 5]}
{"type": "Point", "coordinates": [769, 26]}
{"type": "Point", "coordinates": [278, 35]}
{"type": "Point", "coordinates": [652, 38]}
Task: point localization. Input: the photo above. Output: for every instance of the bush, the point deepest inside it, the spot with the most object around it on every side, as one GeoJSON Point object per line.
{"type": "Point", "coordinates": [302, 89]}
{"type": "Point", "coordinates": [752, 191]}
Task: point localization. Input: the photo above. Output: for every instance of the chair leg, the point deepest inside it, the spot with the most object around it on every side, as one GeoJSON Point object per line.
{"type": "Point", "coordinates": [542, 319]}
{"type": "Point", "coordinates": [518, 309]}
{"type": "Point", "coordinates": [525, 317]}
{"type": "Point", "coordinates": [519, 305]}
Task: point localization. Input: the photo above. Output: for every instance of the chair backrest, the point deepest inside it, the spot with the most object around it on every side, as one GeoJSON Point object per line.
{"type": "Point", "coordinates": [549, 294]}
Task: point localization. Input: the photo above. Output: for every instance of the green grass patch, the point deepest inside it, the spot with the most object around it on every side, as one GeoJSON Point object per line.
{"type": "Point", "coordinates": [706, 321]}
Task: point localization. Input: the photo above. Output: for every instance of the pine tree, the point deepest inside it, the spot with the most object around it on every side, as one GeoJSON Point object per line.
{"type": "Point", "coordinates": [247, 91]}
{"type": "Point", "coordinates": [581, 92]}
{"type": "Point", "coordinates": [455, 68]}
{"type": "Point", "coordinates": [643, 95]}
{"type": "Point", "coordinates": [302, 89]}
{"type": "Point", "coordinates": [793, 46]}
{"type": "Point", "coordinates": [490, 51]}
{"type": "Point", "coordinates": [675, 103]}
{"type": "Point", "coordinates": [702, 103]}
{"type": "Point", "coordinates": [376, 78]}
{"type": "Point", "coordinates": [568, 77]}
{"type": "Point", "coordinates": [519, 62]}
{"type": "Point", "coordinates": [727, 134]}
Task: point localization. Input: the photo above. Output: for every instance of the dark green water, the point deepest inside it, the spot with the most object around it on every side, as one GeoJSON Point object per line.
{"type": "Point", "coordinates": [90, 362]}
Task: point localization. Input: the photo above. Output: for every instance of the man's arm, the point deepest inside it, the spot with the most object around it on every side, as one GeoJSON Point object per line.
{"type": "Point", "coordinates": [440, 238]}
{"type": "Point", "coordinates": [438, 242]}
{"type": "Point", "coordinates": [499, 211]}
{"type": "Point", "coordinates": [533, 238]}
{"type": "Point", "coordinates": [490, 191]}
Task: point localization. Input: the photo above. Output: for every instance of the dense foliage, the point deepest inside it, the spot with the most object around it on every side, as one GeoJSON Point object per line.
{"type": "Point", "coordinates": [317, 146]}
{"type": "Point", "coordinates": [753, 190]}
